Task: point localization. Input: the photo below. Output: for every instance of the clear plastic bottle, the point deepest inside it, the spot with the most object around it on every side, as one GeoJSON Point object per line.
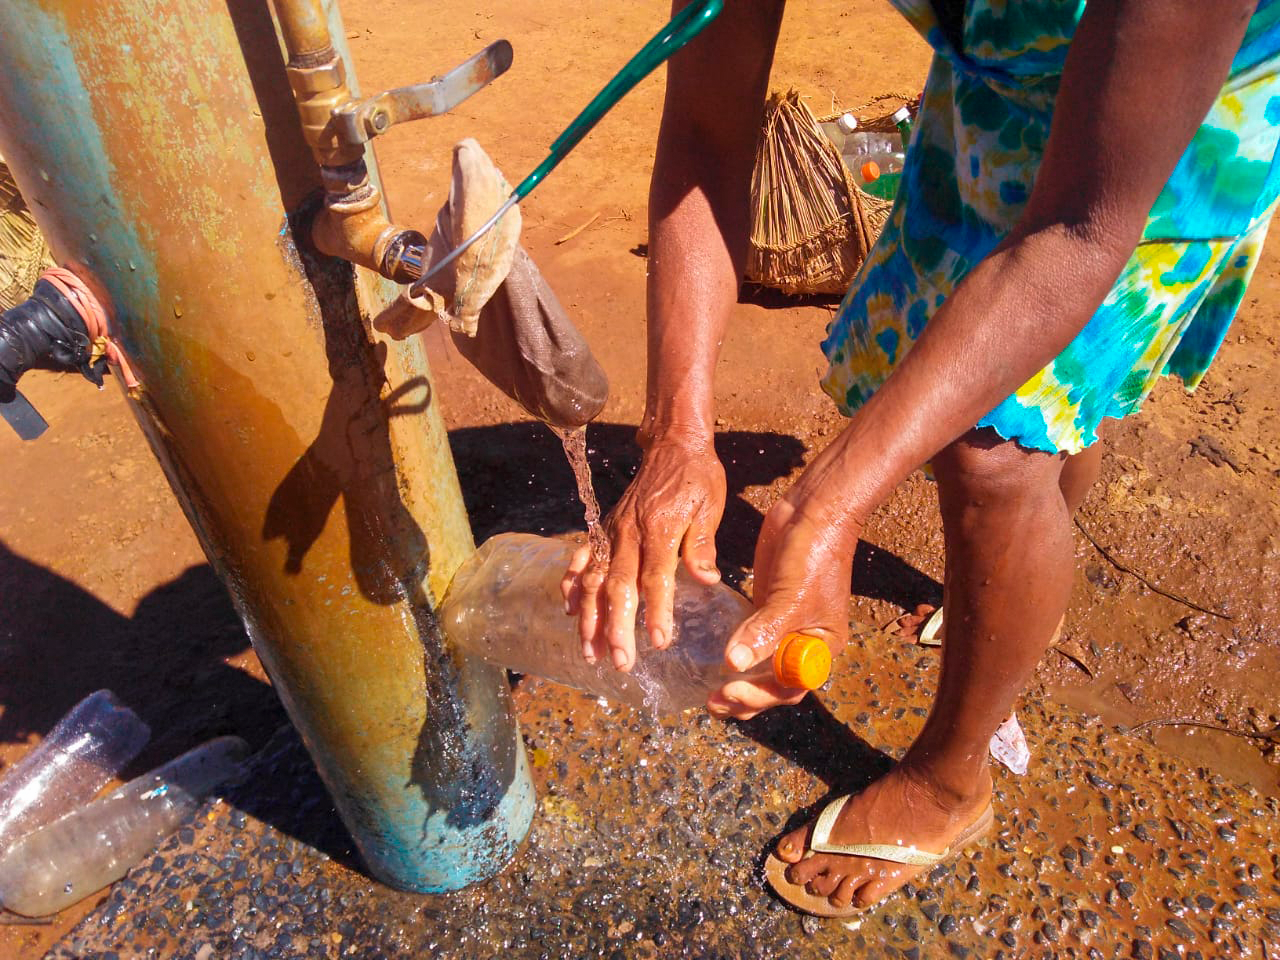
{"type": "Point", "coordinates": [76, 759]}
{"type": "Point", "coordinates": [505, 606]}
{"type": "Point", "coordinates": [90, 848]}
{"type": "Point", "coordinates": [876, 159]}
{"type": "Point", "coordinates": [838, 130]}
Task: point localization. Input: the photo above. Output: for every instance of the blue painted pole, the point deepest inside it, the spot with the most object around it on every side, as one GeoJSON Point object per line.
{"type": "Point", "coordinates": [158, 144]}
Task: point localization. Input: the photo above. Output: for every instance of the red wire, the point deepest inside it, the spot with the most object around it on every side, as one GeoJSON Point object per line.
{"type": "Point", "coordinates": [94, 317]}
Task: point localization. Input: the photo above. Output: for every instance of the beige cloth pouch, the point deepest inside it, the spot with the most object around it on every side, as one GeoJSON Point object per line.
{"type": "Point", "coordinates": [501, 313]}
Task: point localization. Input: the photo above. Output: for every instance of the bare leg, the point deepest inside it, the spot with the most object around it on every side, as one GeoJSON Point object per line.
{"type": "Point", "coordinates": [1009, 570]}
{"type": "Point", "coordinates": [1079, 473]}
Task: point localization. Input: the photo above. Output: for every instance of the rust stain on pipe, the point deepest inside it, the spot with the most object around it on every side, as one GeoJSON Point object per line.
{"type": "Point", "coordinates": [305, 27]}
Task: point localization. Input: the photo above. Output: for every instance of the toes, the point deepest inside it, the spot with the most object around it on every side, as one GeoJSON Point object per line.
{"type": "Point", "coordinates": [845, 892]}
{"type": "Point", "coordinates": [808, 868]}
{"type": "Point", "coordinates": [825, 884]}
{"type": "Point", "coordinates": [791, 847]}
{"type": "Point", "coordinates": [878, 886]}
{"type": "Point", "coordinates": [845, 875]}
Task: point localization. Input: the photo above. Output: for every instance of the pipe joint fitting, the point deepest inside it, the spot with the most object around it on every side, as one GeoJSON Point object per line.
{"type": "Point", "coordinates": [320, 78]}
{"type": "Point", "coordinates": [318, 128]}
{"type": "Point", "coordinates": [342, 179]}
{"type": "Point", "coordinates": [347, 198]}
{"type": "Point", "coordinates": [357, 201]}
{"type": "Point", "coordinates": [359, 233]}
{"type": "Point", "coordinates": [403, 256]}
{"type": "Point", "coordinates": [319, 83]}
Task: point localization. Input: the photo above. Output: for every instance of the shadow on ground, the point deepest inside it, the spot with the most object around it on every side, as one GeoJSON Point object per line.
{"type": "Point", "coordinates": [59, 643]}
{"type": "Point", "coordinates": [515, 478]}
{"type": "Point", "coordinates": [773, 299]}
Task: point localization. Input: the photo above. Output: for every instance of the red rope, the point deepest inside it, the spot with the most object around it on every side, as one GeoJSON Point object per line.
{"type": "Point", "coordinates": [95, 321]}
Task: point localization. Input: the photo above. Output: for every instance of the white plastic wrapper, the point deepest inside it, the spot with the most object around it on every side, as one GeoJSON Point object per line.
{"type": "Point", "coordinates": [1009, 746]}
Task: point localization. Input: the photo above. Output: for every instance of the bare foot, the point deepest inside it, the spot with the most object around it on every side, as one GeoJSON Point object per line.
{"type": "Point", "coordinates": [903, 807]}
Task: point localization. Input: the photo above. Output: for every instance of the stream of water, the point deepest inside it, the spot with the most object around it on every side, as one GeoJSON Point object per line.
{"type": "Point", "coordinates": [575, 449]}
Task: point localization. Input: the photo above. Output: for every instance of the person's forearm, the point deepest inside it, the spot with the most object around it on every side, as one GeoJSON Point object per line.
{"type": "Point", "coordinates": [1011, 316]}
{"type": "Point", "coordinates": [699, 211]}
{"type": "Point", "coordinates": [697, 242]}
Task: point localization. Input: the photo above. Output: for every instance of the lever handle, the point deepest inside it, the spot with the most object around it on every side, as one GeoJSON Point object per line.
{"type": "Point", "coordinates": [362, 120]}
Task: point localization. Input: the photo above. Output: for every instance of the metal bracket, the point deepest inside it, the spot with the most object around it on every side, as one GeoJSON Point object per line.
{"type": "Point", "coordinates": [23, 417]}
{"type": "Point", "coordinates": [361, 120]}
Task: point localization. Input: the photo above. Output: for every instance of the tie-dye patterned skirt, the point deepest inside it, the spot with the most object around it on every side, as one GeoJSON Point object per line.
{"type": "Point", "coordinates": [978, 141]}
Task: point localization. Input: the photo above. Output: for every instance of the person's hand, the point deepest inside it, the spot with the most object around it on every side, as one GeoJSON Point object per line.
{"type": "Point", "coordinates": [802, 570]}
{"type": "Point", "coordinates": [671, 509]}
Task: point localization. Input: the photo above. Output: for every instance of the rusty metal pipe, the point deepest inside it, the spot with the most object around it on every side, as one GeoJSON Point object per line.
{"type": "Point", "coordinates": [308, 453]}
{"type": "Point", "coordinates": [305, 29]}
{"type": "Point", "coordinates": [353, 225]}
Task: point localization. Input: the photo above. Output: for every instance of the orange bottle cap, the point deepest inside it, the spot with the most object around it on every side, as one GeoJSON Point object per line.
{"type": "Point", "coordinates": [870, 171]}
{"type": "Point", "coordinates": [802, 662]}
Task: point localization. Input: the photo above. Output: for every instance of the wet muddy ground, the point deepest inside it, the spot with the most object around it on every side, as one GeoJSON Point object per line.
{"type": "Point", "coordinates": [647, 840]}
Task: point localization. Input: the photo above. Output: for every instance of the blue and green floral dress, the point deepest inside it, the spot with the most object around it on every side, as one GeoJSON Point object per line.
{"type": "Point", "coordinates": [977, 145]}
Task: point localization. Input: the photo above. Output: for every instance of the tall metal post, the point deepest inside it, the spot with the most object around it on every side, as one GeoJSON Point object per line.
{"type": "Point", "coordinates": [158, 144]}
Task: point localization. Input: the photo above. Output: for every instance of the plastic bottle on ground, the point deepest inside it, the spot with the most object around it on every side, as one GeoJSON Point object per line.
{"type": "Point", "coordinates": [505, 606]}
{"type": "Point", "coordinates": [90, 848]}
{"type": "Point", "coordinates": [76, 759]}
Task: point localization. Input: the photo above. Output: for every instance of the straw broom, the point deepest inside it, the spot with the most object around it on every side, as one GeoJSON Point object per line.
{"type": "Point", "coordinates": [811, 226]}
{"type": "Point", "coordinates": [23, 252]}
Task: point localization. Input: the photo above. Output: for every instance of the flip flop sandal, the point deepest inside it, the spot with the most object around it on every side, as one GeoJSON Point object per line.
{"type": "Point", "coordinates": [934, 631]}
{"type": "Point", "coordinates": [931, 633]}
{"type": "Point", "coordinates": [775, 868]}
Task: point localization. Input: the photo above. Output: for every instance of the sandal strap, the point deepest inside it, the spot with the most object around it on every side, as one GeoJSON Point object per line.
{"type": "Point", "coordinates": [820, 842]}
{"type": "Point", "coordinates": [932, 627]}
{"type": "Point", "coordinates": [821, 836]}
{"type": "Point", "coordinates": [884, 851]}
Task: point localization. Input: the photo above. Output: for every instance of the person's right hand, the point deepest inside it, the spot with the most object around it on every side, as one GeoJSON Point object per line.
{"type": "Point", "coordinates": [670, 510]}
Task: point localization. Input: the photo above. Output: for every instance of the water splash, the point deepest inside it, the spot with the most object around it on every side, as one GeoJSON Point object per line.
{"type": "Point", "coordinates": [575, 449]}
{"type": "Point", "coordinates": [653, 692]}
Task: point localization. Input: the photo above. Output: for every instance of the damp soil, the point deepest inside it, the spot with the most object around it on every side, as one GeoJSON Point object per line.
{"type": "Point", "coordinates": [648, 839]}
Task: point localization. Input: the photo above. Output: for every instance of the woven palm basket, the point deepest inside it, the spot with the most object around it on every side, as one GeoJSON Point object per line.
{"type": "Point", "coordinates": [811, 225]}
{"type": "Point", "coordinates": [23, 252]}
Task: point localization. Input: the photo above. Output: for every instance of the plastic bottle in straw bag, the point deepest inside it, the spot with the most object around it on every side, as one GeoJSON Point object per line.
{"type": "Point", "coordinates": [876, 159]}
{"type": "Point", "coordinates": [505, 606]}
